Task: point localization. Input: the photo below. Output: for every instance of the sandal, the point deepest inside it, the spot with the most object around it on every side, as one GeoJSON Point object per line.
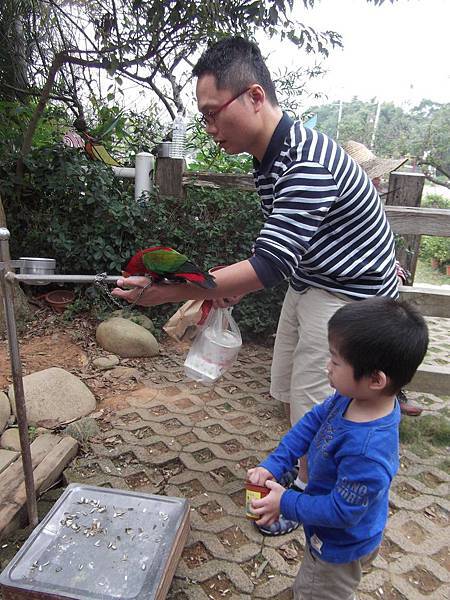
{"type": "Point", "coordinates": [406, 408]}
{"type": "Point", "coordinates": [280, 527]}
{"type": "Point", "coordinates": [288, 478]}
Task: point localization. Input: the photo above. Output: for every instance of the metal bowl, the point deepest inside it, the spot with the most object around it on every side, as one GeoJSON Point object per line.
{"type": "Point", "coordinates": [37, 266]}
{"type": "Point", "coordinates": [164, 149]}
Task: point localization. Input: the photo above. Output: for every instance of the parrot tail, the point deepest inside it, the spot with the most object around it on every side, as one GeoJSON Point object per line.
{"type": "Point", "coordinates": [204, 280]}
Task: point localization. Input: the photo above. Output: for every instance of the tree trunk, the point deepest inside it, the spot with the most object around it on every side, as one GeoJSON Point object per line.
{"type": "Point", "coordinates": [22, 309]}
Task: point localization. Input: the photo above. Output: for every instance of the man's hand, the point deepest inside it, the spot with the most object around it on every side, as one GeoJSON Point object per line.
{"type": "Point", "coordinates": [268, 508]}
{"type": "Point", "coordinates": [226, 302]}
{"type": "Point", "coordinates": [153, 295]}
{"type": "Point", "coordinates": [258, 475]}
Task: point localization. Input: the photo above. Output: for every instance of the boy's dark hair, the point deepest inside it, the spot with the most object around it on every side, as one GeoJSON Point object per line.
{"type": "Point", "coordinates": [236, 64]}
{"type": "Point", "coordinates": [380, 334]}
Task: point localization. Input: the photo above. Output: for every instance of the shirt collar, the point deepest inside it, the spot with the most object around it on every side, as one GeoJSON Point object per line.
{"type": "Point", "coordinates": [275, 145]}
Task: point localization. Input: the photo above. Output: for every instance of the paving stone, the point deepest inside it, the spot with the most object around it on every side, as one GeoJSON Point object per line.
{"type": "Point", "coordinates": [181, 438]}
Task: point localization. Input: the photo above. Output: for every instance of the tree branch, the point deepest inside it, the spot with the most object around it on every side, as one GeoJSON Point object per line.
{"type": "Point", "coordinates": [58, 61]}
{"type": "Point", "coordinates": [431, 163]}
{"type": "Point", "coordinates": [35, 92]}
{"type": "Point", "coordinates": [437, 181]}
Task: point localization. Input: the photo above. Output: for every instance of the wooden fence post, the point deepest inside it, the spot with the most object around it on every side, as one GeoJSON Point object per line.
{"type": "Point", "coordinates": [169, 176]}
{"type": "Point", "coordinates": [405, 189]}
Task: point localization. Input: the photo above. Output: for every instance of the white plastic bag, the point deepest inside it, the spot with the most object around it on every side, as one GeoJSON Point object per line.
{"type": "Point", "coordinates": [215, 348]}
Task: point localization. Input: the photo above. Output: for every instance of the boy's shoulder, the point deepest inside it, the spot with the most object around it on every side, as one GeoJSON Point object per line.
{"type": "Point", "coordinates": [376, 440]}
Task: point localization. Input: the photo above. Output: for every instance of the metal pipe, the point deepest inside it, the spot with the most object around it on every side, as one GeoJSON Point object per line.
{"type": "Point", "coordinates": [10, 276]}
{"type": "Point", "coordinates": [16, 368]}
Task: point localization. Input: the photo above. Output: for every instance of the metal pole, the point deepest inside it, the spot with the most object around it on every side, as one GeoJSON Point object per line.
{"type": "Point", "coordinates": [16, 367]}
{"type": "Point", "coordinates": [339, 119]}
{"type": "Point", "coordinates": [10, 276]}
{"type": "Point", "coordinates": [375, 124]}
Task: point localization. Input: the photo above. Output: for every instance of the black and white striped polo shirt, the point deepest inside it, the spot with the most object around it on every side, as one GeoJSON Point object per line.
{"type": "Point", "coordinates": [325, 225]}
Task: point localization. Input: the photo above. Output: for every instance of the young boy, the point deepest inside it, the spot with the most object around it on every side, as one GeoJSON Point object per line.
{"type": "Point", "coordinates": [352, 443]}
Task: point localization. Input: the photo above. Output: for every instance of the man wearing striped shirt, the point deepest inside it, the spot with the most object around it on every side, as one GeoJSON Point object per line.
{"type": "Point", "coordinates": [325, 229]}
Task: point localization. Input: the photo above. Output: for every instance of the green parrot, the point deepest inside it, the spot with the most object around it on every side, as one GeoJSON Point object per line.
{"type": "Point", "coordinates": [162, 263]}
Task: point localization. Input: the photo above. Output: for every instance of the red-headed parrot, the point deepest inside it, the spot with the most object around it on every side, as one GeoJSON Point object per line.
{"type": "Point", "coordinates": [161, 263]}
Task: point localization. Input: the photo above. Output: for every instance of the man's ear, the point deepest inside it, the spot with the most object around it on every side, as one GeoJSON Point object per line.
{"type": "Point", "coordinates": [257, 96]}
{"type": "Point", "coordinates": [378, 380]}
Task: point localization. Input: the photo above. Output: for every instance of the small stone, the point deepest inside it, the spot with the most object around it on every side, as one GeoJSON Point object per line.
{"type": "Point", "coordinates": [106, 362]}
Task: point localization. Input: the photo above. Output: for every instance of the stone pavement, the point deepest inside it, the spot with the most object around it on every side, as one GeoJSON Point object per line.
{"type": "Point", "coordinates": [179, 438]}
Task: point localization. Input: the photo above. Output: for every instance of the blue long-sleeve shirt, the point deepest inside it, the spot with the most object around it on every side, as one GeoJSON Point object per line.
{"type": "Point", "coordinates": [351, 465]}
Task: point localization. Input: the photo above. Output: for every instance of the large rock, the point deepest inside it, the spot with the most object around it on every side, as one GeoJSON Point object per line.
{"type": "Point", "coordinates": [53, 397]}
{"type": "Point", "coordinates": [136, 317]}
{"type": "Point", "coordinates": [10, 440]}
{"type": "Point", "coordinates": [5, 411]}
{"type": "Point", "coordinates": [125, 338]}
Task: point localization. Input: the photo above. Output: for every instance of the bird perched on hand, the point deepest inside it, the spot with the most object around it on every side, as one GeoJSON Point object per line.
{"type": "Point", "coordinates": [162, 263]}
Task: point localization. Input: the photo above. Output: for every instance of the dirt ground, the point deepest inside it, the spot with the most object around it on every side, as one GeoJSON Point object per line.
{"type": "Point", "coordinates": [51, 341]}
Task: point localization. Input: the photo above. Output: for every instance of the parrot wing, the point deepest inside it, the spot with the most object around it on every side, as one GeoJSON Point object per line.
{"type": "Point", "coordinates": [190, 272]}
{"type": "Point", "coordinates": [163, 260]}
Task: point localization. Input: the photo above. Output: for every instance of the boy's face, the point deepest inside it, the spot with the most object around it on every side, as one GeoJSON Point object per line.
{"type": "Point", "coordinates": [341, 376]}
{"type": "Point", "coordinates": [234, 127]}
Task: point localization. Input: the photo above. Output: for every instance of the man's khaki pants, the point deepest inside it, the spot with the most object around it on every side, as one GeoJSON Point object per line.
{"type": "Point", "coordinates": [301, 349]}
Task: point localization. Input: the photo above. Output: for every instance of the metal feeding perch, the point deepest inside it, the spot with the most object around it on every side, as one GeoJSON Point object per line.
{"type": "Point", "coordinates": [33, 272]}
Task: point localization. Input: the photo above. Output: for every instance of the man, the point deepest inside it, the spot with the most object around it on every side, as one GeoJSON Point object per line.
{"type": "Point", "coordinates": [325, 229]}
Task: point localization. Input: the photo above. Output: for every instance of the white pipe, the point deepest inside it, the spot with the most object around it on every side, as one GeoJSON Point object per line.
{"type": "Point", "coordinates": [141, 173]}
{"type": "Point", "coordinates": [145, 163]}
{"type": "Point", "coordinates": [124, 171]}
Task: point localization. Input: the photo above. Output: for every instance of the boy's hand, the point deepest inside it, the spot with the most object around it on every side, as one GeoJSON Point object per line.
{"type": "Point", "coordinates": [259, 476]}
{"type": "Point", "coordinates": [268, 508]}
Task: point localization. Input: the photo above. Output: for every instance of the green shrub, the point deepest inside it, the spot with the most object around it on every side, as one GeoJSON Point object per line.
{"type": "Point", "coordinates": [435, 201]}
{"type": "Point", "coordinates": [435, 247]}
{"type": "Point", "coordinates": [432, 247]}
{"type": "Point", "coordinates": [76, 211]}
{"type": "Point", "coordinates": [71, 209]}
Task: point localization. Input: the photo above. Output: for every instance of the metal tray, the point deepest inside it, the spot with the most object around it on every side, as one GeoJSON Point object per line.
{"type": "Point", "coordinates": [100, 543]}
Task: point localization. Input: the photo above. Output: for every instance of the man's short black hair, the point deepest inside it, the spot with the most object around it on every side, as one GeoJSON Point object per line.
{"type": "Point", "coordinates": [236, 64]}
{"type": "Point", "coordinates": [380, 334]}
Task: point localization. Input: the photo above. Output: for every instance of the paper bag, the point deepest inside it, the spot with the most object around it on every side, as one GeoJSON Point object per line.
{"type": "Point", "coordinates": [185, 323]}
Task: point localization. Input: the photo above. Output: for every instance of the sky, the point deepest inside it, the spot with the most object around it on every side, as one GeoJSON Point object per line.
{"type": "Point", "coordinates": [395, 52]}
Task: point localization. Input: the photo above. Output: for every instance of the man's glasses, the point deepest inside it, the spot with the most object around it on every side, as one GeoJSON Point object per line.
{"type": "Point", "coordinates": [210, 117]}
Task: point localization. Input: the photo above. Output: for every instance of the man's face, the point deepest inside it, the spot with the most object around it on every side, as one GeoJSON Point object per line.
{"type": "Point", "coordinates": [234, 126]}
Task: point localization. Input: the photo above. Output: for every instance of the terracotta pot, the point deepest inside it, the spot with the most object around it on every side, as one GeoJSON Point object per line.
{"type": "Point", "coordinates": [434, 263]}
{"type": "Point", "coordinates": [59, 300]}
